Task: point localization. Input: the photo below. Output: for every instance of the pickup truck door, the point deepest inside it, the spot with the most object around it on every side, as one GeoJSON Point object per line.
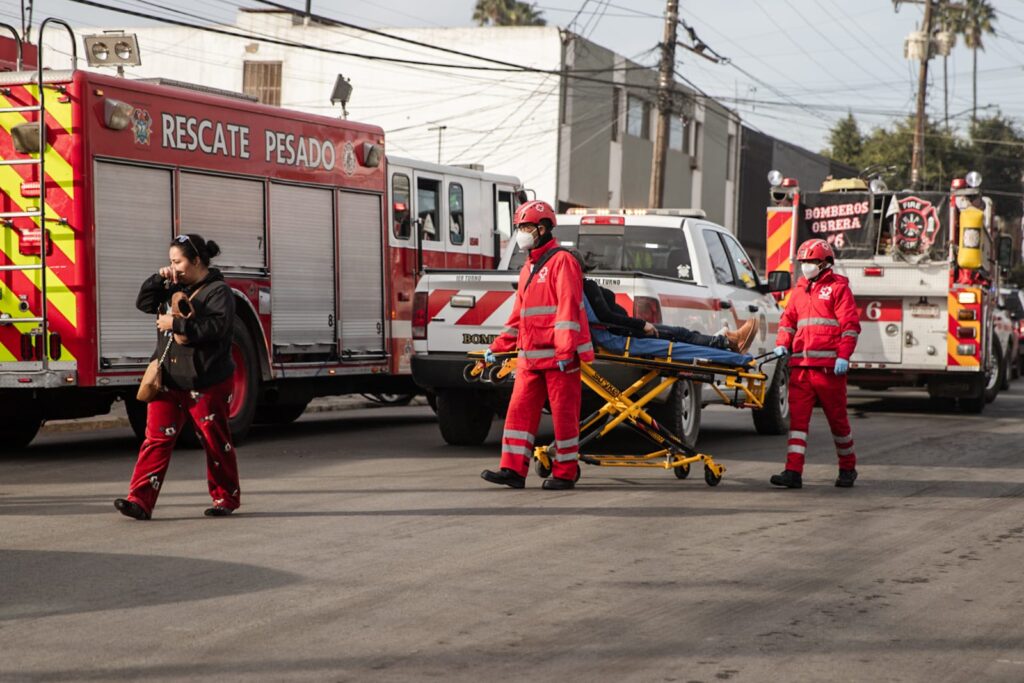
{"type": "Point", "coordinates": [735, 287]}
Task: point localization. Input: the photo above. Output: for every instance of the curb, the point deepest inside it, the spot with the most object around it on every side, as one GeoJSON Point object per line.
{"type": "Point", "coordinates": [331, 404]}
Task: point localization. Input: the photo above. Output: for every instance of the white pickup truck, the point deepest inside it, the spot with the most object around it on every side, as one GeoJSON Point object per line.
{"type": "Point", "coordinates": [669, 266]}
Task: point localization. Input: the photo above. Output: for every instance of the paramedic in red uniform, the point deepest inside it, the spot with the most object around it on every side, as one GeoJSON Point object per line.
{"type": "Point", "coordinates": [819, 328]}
{"type": "Point", "coordinates": [198, 373]}
{"type": "Point", "coordinates": [549, 327]}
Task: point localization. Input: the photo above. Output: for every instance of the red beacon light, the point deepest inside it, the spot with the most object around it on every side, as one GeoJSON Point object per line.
{"type": "Point", "coordinates": [958, 184]}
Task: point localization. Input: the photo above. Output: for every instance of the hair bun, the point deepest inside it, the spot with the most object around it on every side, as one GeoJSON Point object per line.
{"type": "Point", "coordinates": [212, 248]}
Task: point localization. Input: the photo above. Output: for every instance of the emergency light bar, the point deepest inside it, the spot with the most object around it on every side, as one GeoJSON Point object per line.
{"type": "Point", "coordinates": [682, 213]}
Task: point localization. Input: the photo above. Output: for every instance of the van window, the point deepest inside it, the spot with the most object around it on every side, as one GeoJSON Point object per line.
{"type": "Point", "coordinates": [428, 196]}
{"type": "Point", "coordinates": [719, 257]}
{"type": "Point", "coordinates": [456, 214]}
{"type": "Point", "coordinates": [400, 209]}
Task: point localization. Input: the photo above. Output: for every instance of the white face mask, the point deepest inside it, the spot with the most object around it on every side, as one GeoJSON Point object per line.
{"type": "Point", "coordinates": [525, 239]}
{"type": "Point", "coordinates": [810, 270]}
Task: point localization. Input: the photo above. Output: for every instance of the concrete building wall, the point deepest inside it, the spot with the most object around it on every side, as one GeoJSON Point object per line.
{"type": "Point", "coordinates": [714, 162]}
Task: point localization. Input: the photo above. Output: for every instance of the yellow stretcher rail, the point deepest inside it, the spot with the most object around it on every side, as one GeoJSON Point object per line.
{"type": "Point", "coordinates": [744, 387]}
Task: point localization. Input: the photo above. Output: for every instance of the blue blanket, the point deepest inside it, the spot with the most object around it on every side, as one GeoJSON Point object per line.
{"type": "Point", "coordinates": [652, 347]}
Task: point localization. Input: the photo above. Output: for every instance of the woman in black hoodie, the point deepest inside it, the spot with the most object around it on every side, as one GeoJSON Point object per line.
{"type": "Point", "coordinates": [198, 375]}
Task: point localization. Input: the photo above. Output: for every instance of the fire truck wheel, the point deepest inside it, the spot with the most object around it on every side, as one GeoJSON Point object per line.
{"type": "Point", "coordinates": [18, 434]}
{"type": "Point", "coordinates": [1008, 367]}
{"type": "Point", "coordinates": [464, 419]}
{"type": "Point", "coordinates": [279, 413]}
{"type": "Point", "coordinates": [242, 409]}
{"type": "Point", "coordinates": [774, 417]}
{"type": "Point", "coordinates": [136, 410]}
{"type": "Point", "coordinates": [681, 412]}
{"type": "Point", "coordinates": [995, 380]}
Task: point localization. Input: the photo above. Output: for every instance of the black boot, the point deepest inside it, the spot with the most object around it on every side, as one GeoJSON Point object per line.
{"type": "Point", "coordinates": [506, 477]}
{"type": "Point", "coordinates": [788, 479]}
{"type": "Point", "coordinates": [218, 511]}
{"type": "Point", "coordinates": [130, 509]}
{"type": "Point", "coordinates": [556, 484]}
{"type": "Point", "coordinates": [846, 478]}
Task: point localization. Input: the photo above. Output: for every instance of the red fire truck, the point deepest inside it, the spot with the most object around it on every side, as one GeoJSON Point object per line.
{"type": "Point", "coordinates": [322, 237]}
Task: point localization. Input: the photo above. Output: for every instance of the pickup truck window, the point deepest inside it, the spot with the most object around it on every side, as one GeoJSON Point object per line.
{"type": "Point", "coordinates": [719, 258]}
{"type": "Point", "coordinates": [741, 264]}
{"type": "Point", "coordinates": [658, 251]}
{"type": "Point", "coordinates": [428, 195]}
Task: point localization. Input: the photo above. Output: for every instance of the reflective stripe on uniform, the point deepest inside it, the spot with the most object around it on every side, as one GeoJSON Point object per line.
{"type": "Point", "coordinates": [511, 331]}
{"type": "Point", "coordinates": [850, 333]}
{"type": "Point", "coordinates": [537, 353]}
{"type": "Point", "coordinates": [568, 443]}
{"type": "Point", "coordinates": [827, 322]}
{"type": "Point", "coordinates": [566, 457]}
{"type": "Point", "coordinates": [793, 448]}
{"type": "Point", "coordinates": [841, 440]}
{"type": "Point", "coordinates": [539, 310]}
{"type": "Point", "coordinates": [787, 329]}
{"type": "Point", "coordinates": [585, 348]}
{"type": "Point", "coordinates": [513, 448]}
{"type": "Point", "coordinates": [798, 435]}
{"type": "Point", "coordinates": [567, 325]}
{"type": "Point", "coordinates": [845, 451]}
{"type": "Point", "coordinates": [819, 354]}
{"type": "Point", "coordinates": [513, 434]}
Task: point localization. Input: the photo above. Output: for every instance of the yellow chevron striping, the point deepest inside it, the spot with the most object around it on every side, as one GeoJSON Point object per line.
{"type": "Point", "coordinates": [61, 235]}
{"type": "Point", "coordinates": [60, 111]}
{"type": "Point", "coordinates": [778, 239]}
{"type": "Point", "coordinates": [57, 167]}
{"type": "Point", "coordinates": [57, 293]}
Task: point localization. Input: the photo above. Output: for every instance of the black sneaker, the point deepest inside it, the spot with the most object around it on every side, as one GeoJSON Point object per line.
{"type": "Point", "coordinates": [846, 478]}
{"type": "Point", "coordinates": [789, 479]}
{"type": "Point", "coordinates": [130, 509]}
{"type": "Point", "coordinates": [218, 511]}
{"type": "Point", "coordinates": [505, 477]}
{"type": "Point", "coordinates": [555, 484]}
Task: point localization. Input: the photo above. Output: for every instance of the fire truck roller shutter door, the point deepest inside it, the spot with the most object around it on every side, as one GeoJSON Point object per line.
{"type": "Point", "coordinates": [134, 224]}
{"type": "Point", "coordinates": [361, 268]}
{"type": "Point", "coordinates": [302, 268]}
{"type": "Point", "coordinates": [229, 211]}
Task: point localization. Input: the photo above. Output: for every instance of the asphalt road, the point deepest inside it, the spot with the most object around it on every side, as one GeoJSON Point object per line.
{"type": "Point", "coordinates": [368, 550]}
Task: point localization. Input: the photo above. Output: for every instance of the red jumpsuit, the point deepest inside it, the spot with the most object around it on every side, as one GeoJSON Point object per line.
{"type": "Point", "coordinates": [547, 325]}
{"type": "Point", "coordinates": [819, 325]}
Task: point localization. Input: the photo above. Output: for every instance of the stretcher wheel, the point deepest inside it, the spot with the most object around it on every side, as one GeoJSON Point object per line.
{"type": "Point", "coordinates": [710, 477]}
{"type": "Point", "coordinates": [682, 472]}
{"type": "Point", "coordinates": [542, 472]}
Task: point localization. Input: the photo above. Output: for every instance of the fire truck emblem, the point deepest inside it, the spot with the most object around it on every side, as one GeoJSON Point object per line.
{"type": "Point", "coordinates": [142, 126]}
{"type": "Point", "coordinates": [915, 225]}
{"type": "Point", "coordinates": [348, 159]}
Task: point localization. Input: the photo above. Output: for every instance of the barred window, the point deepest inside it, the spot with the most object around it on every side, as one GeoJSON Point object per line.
{"type": "Point", "coordinates": [262, 80]}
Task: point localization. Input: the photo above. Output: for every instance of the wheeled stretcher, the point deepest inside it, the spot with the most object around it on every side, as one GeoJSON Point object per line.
{"type": "Point", "coordinates": [741, 383]}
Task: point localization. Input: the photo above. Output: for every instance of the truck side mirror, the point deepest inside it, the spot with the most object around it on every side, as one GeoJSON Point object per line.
{"type": "Point", "coordinates": [1005, 251]}
{"type": "Point", "coordinates": [779, 281]}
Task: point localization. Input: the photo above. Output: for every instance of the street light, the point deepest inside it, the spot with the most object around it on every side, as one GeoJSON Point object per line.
{"type": "Point", "coordinates": [341, 93]}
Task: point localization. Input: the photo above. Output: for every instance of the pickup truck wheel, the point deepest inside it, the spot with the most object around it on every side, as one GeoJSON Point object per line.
{"type": "Point", "coordinates": [1007, 370]}
{"type": "Point", "coordinates": [998, 371]}
{"type": "Point", "coordinates": [464, 419]}
{"type": "Point", "coordinates": [774, 417]}
{"type": "Point", "coordinates": [681, 412]}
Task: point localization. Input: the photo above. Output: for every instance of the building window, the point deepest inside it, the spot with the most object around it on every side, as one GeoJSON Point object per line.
{"type": "Point", "coordinates": [616, 106]}
{"type": "Point", "coordinates": [730, 161]}
{"type": "Point", "coordinates": [696, 144]}
{"type": "Point", "coordinates": [457, 215]}
{"type": "Point", "coordinates": [638, 117]}
{"type": "Point", "coordinates": [262, 80]}
{"type": "Point", "coordinates": [676, 133]}
{"type": "Point", "coordinates": [400, 209]}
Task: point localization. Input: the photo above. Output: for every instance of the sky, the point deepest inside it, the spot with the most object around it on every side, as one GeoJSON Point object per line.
{"type": "Point", "coordinates": [795, 66]}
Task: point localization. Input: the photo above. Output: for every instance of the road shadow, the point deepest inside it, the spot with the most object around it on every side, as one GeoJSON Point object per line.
{"type": "Point", "coordinates": [41, 583]}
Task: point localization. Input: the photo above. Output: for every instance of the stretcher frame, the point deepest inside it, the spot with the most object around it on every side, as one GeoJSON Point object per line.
{"type": "Point", "coordinates": [745, 387]}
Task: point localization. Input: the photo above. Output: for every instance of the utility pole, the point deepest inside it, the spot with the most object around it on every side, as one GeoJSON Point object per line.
{"type": "Point", "coordinates": [440, 130]}
{"type": "Point", "coordinates": [917, 161]}
{"type": "Point", "coordinates": [666, 79]}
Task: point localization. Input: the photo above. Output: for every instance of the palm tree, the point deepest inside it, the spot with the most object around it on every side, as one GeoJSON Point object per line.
{"type": "Point", "coordinates": [506, 13]}
{"type": "Point", "coordinates": [977, 18]}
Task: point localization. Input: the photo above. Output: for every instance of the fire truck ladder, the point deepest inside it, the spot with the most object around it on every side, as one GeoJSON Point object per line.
{"type": "Point", "coordinates": [7, 217]}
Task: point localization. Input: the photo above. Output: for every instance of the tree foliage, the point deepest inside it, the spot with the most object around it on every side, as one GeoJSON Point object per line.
{"type": "Point", "coordinates": [507, 13]}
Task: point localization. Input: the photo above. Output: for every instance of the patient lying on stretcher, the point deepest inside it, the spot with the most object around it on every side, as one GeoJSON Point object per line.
{"type": "Point", "coordinates": [607, 339]}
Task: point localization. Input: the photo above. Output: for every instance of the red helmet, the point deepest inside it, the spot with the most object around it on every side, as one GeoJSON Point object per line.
{"type": "Point", "coordinates": [534, 212]}
{"type": "Point", "coordinates": [815, 250]}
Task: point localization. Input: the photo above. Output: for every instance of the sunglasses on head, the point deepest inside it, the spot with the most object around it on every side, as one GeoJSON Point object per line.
{"type": "Point", "coordinates": [182, 239]}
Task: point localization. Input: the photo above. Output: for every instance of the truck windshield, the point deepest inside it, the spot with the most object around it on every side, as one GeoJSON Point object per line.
{"type": "Point", "coordinates": [658, 251]}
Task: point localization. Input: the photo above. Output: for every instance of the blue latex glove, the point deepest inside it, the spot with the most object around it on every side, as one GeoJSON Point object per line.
{"type": "Point", "coordinates": [489, 357]}
{"type": "Point", "coordinates": [781, 351]}
{"type": "Point", "coordinates": [563, 364]}
{"type": "Point", "coordinates": [842, 365]}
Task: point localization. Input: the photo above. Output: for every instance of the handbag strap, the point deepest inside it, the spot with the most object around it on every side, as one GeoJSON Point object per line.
{"type": "Point", "coordinates": [170, 340]}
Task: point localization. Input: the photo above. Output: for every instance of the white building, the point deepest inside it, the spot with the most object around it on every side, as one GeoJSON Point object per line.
{"type": "Point", "coordinates": [582, 140]}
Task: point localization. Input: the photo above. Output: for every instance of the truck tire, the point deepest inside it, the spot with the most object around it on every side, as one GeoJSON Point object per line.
{"type": "Point", "coordinates": [242, 407]}
{"type": "Point", "coordinates": [995, 380]}
{"type": "Point", "coordinates": [136, 410]}
{"type": "Point", "coordinates": [464, 419]}
{"type": "Point", "coordinates": [773, 419]}
{"type": "Point", "coordinates": [974, 403]}
{"type": "Point", "coordinates": [681, 412]}
{"type": "Point", "coordinates": [18, 433]}
{"type": "Point", "coordinates": [1008, 368]}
